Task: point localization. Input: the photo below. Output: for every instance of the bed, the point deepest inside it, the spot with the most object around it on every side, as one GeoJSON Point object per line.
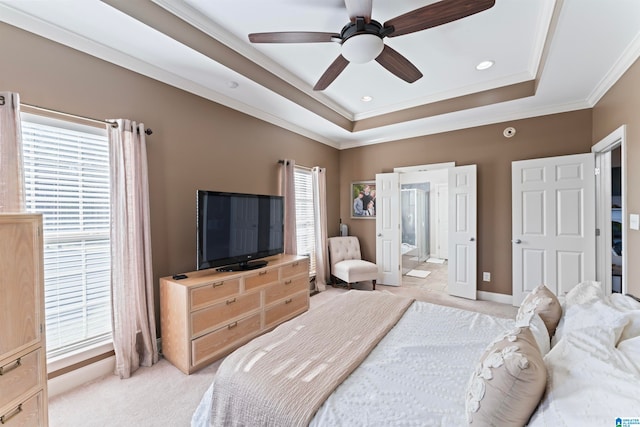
{"type": "Point", "coordinates": [388, 360]}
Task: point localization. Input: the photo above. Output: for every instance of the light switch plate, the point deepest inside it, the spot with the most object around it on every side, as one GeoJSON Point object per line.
{"type": "Point", "coordinates": [634, 221]}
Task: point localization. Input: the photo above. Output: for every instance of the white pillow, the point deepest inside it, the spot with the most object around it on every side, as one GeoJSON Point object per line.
{"type": "Point", "coordinates": [631, 309]}
{"type": "Point", "coordinates": [584, 293]}
{"type": "Point", "coordinates": [590, 382]}
{"type": "Point", "coordinates": [630, 349]}
{"type": "Point", "coordinates": [598, 314]}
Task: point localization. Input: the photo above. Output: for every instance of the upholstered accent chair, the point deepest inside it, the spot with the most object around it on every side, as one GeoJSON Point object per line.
{"type": "Point", "coordinates": [347, 263]}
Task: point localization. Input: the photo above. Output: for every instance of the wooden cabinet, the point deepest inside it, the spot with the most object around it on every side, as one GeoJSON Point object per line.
{"type": "Point", "coordinates": [209, 314]}
{"type": "Point", "coordinates": [23, 373]}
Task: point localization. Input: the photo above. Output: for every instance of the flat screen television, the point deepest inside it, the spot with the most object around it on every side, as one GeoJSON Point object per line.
{"type": "Point", "coordinates": [234, 230]}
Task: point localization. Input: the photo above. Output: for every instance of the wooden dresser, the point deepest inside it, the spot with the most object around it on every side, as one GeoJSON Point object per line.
{"type": "Point", "coordinates": [23, 369]}
{"type": "Point", "coordinates": [209, 314]}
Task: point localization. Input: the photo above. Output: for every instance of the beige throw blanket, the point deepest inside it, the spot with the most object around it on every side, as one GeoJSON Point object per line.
{"type": "Point", "coordinates": [281, 378]}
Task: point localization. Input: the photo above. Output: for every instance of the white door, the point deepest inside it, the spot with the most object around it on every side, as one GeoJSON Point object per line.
{"type": "Point", "coordinates": [441, 228]}
{"type": "Point", "coordinates": [388, 228]}
{"type": "Point", "coordinates": [553, 223]}
{"type": "Point", "coordinates": [462, 232]}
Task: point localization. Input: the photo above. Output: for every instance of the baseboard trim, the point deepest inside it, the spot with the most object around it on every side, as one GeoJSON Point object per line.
{"type": "Point", "coordinates": [495, 297]}
{"type": "Point", "coordinates": [77, 377]}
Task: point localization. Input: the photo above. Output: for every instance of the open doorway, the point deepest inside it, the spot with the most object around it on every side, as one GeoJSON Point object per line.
{"type": "Point", "coordinates": [424, 225]}
{"type": "Point", "coordinates": [610, 159]}
{"type": "Point", "coordinates": [462, 232]}
{"type": "Point", "coordinates": [616, 220]}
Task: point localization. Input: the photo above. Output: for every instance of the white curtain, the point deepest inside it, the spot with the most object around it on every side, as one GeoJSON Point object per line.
{"type": "Point", "coordinates": [288, 190]}
{"type": "Point", "coordinates": [319, 182]}
{"type": "Point", "coordinates": [134, 329]}
{"type": "Point", "coordinates": [11, 168]}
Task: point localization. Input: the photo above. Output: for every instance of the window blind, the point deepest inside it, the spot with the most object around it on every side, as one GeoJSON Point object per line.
{"type": "Point", "coordinates": [66, 169]}
{"type": "Point", "coordinates": [305, 220]}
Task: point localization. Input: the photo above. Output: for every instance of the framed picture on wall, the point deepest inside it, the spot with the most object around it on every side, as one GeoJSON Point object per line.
{"type": "Point", "coordinates": [363, 199]}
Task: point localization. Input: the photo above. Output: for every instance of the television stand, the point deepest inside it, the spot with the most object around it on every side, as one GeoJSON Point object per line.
{"type": "Point", "coordinates": [249, 265]}
{"type": "Point", "coordinates": [209, 314]}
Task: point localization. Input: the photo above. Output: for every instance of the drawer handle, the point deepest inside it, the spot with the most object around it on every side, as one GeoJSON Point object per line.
{"type": "Point", "coordinates": [288, 301]}
{"type": "Point", "coordinates": [232, 325]}
{"type": "Point", "coordinates": [10, 367]}
{"type": "Point", "coordinates": [262, 273]}
{"type": "Point", "coordinates": [287, 282]}
{"type": "Point", "coordinates": [231, 301]}
{"type": "Point", "coordinates": [6, 417]}
{"type": "Point", "coordinates": [218, 284]}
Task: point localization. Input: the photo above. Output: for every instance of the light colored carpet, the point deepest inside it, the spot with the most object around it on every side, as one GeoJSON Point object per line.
{"type": "Point", "coordinates": [157, 396]}
{"type": "Point", "coordinates": [164, 396]}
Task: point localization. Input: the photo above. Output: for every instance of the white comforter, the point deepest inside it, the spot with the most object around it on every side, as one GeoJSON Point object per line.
{"type": "Point", "coordinates": [415, 376]}
{"type": "Point", "coordinates": [418, 374]}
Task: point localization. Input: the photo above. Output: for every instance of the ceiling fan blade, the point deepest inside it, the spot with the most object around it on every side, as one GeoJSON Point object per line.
{"type": "Point", "coordinates": [436, 14]}
{"type": "Point", "coordinates": [357, 8]}
{"type": "Point", "coordinates": [398, 65]}
{"type": "Point", "coordinates": [293, 37]}
{"type": "Point", "coordinates": [332, 72]}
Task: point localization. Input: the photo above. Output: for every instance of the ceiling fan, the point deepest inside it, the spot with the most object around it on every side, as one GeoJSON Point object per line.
{"type": "Point", "coordinates": [362, 38]}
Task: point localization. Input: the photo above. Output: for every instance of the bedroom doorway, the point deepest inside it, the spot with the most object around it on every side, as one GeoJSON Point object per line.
{"type": "Point", "coordinates": [611, 211]}
{"type": "Point", "coordinates": [424, 223]}
{"type": "Point", "coordinates": [461, 233]}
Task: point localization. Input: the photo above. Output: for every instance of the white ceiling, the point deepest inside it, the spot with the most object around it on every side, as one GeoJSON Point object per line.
{"type": "Point", "coordinates": [574, 50]}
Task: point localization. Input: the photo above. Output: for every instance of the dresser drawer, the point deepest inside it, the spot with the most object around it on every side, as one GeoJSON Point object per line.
{"type": "Point", "coordinates": [20, 375]}
{"type": "Point", "coordinates": [207, 294]}
{"type": "Point", "coordinates": [260, 278]}
{"type": "Point", "coordinates": [286, 288]}
{"type": "Point", "coordinates": [286, 309]}
{"type": "Point", "coordinates": [295, 268]}
{"type": "Point", "coordinates": [207, 346]}
{"type": "Point", "coordinates": [30, 413]}
{"type": "Point", "coordinates": [213, 316]}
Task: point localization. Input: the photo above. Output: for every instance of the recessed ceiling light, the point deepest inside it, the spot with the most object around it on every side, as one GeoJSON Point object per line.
{"type": "Point", "coordinates": [484, 65]}
{"type": "Point", "coordinates": [366, 98]}
{"type": "Point", "coordinates": [232, 84]}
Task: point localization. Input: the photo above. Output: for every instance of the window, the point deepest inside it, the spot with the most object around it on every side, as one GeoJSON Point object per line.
{"type": "Point", "coordinates": [66, 170]}
{"type": "Point", "coordinates": [305, 220]}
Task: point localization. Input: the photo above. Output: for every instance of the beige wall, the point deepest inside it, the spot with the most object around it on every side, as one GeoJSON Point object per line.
{"type": "Point", "coordinates": [201, 144]}
{"type": "Point", "coordinates": [554, 135]}
{"type": "Point", "coordinates": [621, 106]}
{"type": "Point", "coordinates": [196, 144]}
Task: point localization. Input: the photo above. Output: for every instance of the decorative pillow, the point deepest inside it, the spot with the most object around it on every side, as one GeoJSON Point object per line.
{"type": "Point", "coordinates": [543, 302]}
{"type": "Point", "coordinates": [508, 383]}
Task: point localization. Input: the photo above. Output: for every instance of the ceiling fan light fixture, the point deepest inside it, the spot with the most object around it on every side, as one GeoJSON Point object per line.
{"type": "Point", "coordinates": [362, 48]}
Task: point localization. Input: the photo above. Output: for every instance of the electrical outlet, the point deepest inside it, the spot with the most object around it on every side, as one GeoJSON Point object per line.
{"type": "Point", "coordinates": [486, 276]}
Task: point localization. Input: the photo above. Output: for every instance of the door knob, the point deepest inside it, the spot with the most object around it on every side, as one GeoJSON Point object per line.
{"type": "Point", "coordinates": [472, 239]}
{"type": "Point", "coordinates": [517, 241]}
{"type": "Point", "coordinates": [379, 234]}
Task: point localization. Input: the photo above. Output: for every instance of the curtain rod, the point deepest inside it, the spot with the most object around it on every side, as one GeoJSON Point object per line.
{"type": "Point", "coordinates": [297, 165]}
{"type": "Point", "coordinates": [148, 131]}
